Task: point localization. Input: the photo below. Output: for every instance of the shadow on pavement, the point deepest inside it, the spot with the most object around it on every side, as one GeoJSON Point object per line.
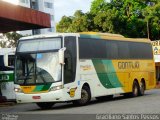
{"type": "Point", "coordinates": [60, 106]}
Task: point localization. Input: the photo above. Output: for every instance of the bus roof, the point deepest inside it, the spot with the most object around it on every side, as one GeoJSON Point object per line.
{"type": "Point", "coordinates": [49, 35]}
{"type": "Point", "coordinates": [106, 36]}
{"type": "Point", "coordinates": [109, 36]}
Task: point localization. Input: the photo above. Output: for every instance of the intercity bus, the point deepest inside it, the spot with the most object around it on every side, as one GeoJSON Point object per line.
{"type": "Point", "coordinates": [76, 67]}
{"type": "Point", "coordinates": [7, 73]}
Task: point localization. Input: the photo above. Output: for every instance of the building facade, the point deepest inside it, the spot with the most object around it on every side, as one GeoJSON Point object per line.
{"type": "Point", "coordinates": [46, 6]}
{"type": "Point", "coordinates": [156, 52]}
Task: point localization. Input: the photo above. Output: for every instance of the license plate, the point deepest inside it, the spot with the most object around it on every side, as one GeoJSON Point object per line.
{"type": "Point", "coordinates": [36, 97]}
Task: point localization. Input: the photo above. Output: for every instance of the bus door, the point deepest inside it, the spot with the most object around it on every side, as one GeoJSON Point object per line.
{"type": "Point", "coordinates": [70, 59]}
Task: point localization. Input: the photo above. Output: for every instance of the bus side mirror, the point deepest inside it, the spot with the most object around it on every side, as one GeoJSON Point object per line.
{"type": "Point", "coordinates": [61, 55]}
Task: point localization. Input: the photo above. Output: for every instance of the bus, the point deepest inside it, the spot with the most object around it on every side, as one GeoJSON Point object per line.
{"type": "Point", "coordinates": [76, 67]}
{"type": "Point", "coordinates": [7, 73]}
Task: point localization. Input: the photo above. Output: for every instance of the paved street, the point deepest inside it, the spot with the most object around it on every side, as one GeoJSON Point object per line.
{"type": "Point", "coordinates": [149, 103]}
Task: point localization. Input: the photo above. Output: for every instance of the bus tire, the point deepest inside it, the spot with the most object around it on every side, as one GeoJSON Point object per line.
{"type": "Point", "coordinates": [45, 105]}
{"type": "Point", "coordinates": [142, 88]}
{"type": "Point", "coordinates": [135, 89]}
{"type": "Point", "coordinates": [85, 97]}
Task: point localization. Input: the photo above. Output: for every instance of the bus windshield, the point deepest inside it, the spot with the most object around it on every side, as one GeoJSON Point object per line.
{"type": "Point", "coordinates": [37, 45]}
{"type": "Point", "coordinates": [39, 64]}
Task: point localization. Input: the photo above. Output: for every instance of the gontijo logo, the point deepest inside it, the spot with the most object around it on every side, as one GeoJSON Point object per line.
{"type": "Point", "coordinates": [128, 65]}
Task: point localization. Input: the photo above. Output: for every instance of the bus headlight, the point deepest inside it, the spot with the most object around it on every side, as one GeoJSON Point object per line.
{"type": "Point", "coordinates": [19, 90]}
{"type": "Point", "coordinates": [56, 88]}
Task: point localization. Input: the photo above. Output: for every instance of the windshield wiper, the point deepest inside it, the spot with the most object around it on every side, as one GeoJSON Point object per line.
{"type": "Point", "coordinates": [25, 78]}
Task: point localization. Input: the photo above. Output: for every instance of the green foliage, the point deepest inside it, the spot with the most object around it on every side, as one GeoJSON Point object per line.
{"type": "Point", "coordinates": [79, 22]}
{"type": "Point", "coordinates": [98, 6]}
{"type": "Point", "coordinates": [153, 18]}
{"type": "Point", "coordinates": [9, 40]}
{"type": "Point", "coordinates": [127, 17]}
{"type": "Point", "coordinates": [64, 24]}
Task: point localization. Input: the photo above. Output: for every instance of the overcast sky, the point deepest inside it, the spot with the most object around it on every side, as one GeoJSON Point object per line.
{"type": "Point", "coordinates": [68, 7]}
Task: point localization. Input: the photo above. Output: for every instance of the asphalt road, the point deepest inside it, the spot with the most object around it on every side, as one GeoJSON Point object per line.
{"type": "Point", "coordinates": [147, 104]}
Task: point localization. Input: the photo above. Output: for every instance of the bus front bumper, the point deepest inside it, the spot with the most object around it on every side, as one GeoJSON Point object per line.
{"type": "Point", "coordinates": [52, 96]}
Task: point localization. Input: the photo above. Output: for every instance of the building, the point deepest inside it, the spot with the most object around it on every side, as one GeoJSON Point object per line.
{"type": "Point", "coordinates": [18, 18]}
{"type": "Point", "coordinates": [46, 6]}
{"type": "Point", "coordinates": [156, 52]}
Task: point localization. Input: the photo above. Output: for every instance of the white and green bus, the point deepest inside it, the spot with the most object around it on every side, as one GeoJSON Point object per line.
{"type": "Point", "coordinates": [76, 67]}
{"type": "Point", "coordinates": [7, 73]}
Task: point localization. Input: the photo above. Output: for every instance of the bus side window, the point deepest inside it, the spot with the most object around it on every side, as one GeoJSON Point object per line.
{"type": "Point", "coordinates": [70, 59]}
{"type": "Point", "coordinates": [11, 60]}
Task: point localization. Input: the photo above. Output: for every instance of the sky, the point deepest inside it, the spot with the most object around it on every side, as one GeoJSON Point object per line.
{"type": "Point", "coordinates": [68, 7]}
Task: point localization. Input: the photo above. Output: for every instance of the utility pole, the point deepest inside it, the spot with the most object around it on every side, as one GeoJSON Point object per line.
{"type": "Point", "coordinates": [148, 29]}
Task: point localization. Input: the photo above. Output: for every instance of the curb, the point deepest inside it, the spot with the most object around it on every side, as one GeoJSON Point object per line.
{"type": "Point", "coordinates": [4, 104]}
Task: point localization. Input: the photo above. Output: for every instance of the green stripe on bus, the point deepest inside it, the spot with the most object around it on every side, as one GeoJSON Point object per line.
{"type": "Point", "coordinates": [106, 73]}
{"type": "Point", "coordinates": [102, 74]}
{"type": "Point", "coordinates": [112, 76]}
{"type": "Point", "coordinates": [46, 87]}
{"type": "Point", "coordinates": [89, 36]}
{"type": "Point", "coordinates": [38, 88]}
{"type": "Point", "coordinates": [42, 88]}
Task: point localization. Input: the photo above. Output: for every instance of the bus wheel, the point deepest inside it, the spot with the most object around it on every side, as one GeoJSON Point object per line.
{"type": "Point", "coordinates": [142, 88]}
{"type": "Point", "coordinates": [45, 105]}
{"type": "Point", "coordinates": [85, 97]}
{"type": "Point", "coordinates": [135, 89]}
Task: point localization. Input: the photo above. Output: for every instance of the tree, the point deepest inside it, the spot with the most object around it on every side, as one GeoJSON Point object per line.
{"type": "Point", "coordinates": [126, 17]}
{"type": "Point", "coordinates": [152, 18]}
{"type": "Point", "coordinates": [79, 22]}
{"type": "Point", "coordinates": [130, 17]}
{"type": "Point", "coordinates": [10, 40]}
{"type": "Point", "coordinates": [98, 6]}
{"type": "Point", "coordinates": [64, 24]}
{"type": "Point", "coordinates": [3, 41]}
{"type": "Point", "coordinates": [106, 21]}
